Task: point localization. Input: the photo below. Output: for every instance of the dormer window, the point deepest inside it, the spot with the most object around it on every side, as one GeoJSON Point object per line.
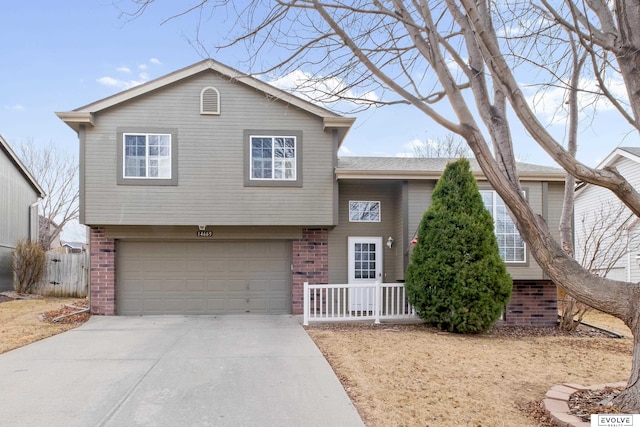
{"type": "Point", "coordinates": [210, 101]}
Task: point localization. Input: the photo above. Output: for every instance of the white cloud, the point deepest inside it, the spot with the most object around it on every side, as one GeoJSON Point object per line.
{"type": "Point", "coordinates": [345, 152]}
{"type": "Point", "coordinates": [109, 81]}
{"type": "Point", "coordinates": [119, 83]}
{"type": "Point", "coordinates": [321, 90]}
{"type": "Point", "coordinates": [15, 107]}
{"type": "Point", "coordinates": [550, 104]}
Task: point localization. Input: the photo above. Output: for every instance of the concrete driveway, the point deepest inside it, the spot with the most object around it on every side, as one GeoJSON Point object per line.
{"type": "Point", "coordinates": [174, 371]}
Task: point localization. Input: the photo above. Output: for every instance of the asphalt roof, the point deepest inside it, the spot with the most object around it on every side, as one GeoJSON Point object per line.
{"type": "Point", "coordinates": [427, 166]}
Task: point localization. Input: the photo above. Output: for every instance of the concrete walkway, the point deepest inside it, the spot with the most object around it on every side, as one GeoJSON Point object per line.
{"type": "Point", "coordinates": [174, 371]}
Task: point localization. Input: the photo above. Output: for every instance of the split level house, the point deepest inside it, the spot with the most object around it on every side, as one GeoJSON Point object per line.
{"type": "Point", "coordinates": [607, 233]}
{"type": "Point", "coordinates": [20, 194]}
{"type": "Point", "coordinates": [209, 191]}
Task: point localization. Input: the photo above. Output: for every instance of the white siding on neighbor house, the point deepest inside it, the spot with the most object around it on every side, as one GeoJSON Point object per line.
{"type": "Point", "coordinates": [591, 204]}
{"type": "Point", "coordinates": [211, 169]}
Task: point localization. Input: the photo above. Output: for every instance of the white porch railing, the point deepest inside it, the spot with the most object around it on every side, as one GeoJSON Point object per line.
{"type": "Point", "coordinates": [351, 302]}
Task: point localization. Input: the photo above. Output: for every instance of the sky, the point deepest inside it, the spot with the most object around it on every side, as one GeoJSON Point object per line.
{"type": "Point", "coordinates": [58, 56]}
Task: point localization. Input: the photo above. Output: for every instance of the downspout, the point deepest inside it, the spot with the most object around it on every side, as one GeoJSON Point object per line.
{"type": "Point", "coordinates": [34, 226]}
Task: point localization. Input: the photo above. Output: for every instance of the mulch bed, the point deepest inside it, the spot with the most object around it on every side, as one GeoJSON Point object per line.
{"type": "Point", "coordinates": [498, 330]}
{"type": "Point", "coordinates": [587, 402]}
{"type": "Point", "coordinates": [4, 298]}
{"type": "Point", "coordinates": [65, 314]}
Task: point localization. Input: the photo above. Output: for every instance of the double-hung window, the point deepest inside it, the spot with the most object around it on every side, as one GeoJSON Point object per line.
{"type": "Point", "coordinates": [273, 158]}
{"type": "Point", "coordinates": [512, 247]}
{"type": "Point", "coordinates": [146, 155]}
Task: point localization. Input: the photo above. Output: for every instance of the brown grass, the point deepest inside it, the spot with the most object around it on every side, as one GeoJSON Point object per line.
{"type": "Point", "coordinates": [20, 322]}
{"type": "Point", "coordinates": [414, 375]}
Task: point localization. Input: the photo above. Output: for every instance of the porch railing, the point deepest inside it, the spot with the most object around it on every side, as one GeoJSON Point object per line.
{"type": "Point", "coordinates": [351, 302]}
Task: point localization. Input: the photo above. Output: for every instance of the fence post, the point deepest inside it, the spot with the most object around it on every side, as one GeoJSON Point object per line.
{"type": "Point", "coordinates": [376, 302]}
{"type": "Point", "coordinates": [305, 304]}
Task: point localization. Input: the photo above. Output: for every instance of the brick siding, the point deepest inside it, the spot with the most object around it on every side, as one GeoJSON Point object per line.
{"type": "Point", "coordinates": [310, 263]}
{"type": "Point", "coordinates": [103, 273]}
{"type": "Point", "coordinates": [533, 303]}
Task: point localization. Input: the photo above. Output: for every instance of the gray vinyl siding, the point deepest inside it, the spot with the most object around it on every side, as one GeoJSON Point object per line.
{"type": "Point", "coordinates": [419, 199]}
{"type": "Point", "coordinates": [210, 188]}
{"type": "Point", "coordinates": [388, 195]}
{"type": "Point", "coordinates": [16, 196]}
{"type": "Point", "coordinates": [400, 244]}
{"type": "Point", "coordinates": [419, 193]}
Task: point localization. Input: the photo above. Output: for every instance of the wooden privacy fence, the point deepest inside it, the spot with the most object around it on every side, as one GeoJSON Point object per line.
{"type": "Point", "coordinates": [67, 275]}
{"type": "Point", "coordinates": [352, 302]}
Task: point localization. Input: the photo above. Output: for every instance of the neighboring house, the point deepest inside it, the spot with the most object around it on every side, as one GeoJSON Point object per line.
{"type": "Point", "coordinates": [19, 197]}
{"type": "Point", "coordinates": [209, 191]}
{"type": "Point", "coordinates": [74, 247]}
{"type": "Point", "coordinates": [607, 236]}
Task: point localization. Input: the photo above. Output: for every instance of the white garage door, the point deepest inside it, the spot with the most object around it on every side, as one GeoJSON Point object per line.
{"type": "Point", "coordinates": [203, 277]}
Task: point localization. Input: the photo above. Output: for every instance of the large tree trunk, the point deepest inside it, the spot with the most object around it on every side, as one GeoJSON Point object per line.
{"type": "Point", "coordinates": [629, 399]}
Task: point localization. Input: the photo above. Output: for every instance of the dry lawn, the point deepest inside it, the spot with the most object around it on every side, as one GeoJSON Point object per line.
{"type": "Point", "coordinates": [20, 322]}
{"type": "Point", "coordinates": [415, 375]}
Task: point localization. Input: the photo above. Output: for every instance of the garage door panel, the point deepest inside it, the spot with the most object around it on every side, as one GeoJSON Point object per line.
{"type": "Point", "coordinates": [196, 285]}
{"type": "Point", "coordinates": [203, 277]}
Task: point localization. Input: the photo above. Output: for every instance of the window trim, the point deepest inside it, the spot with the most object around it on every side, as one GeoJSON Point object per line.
{"type": "Point", "coordinates": [272, 182]}
{"type": "Point", "coordinates": [120, 140]}
{"type": "Point", "coordinates": [525, 261]}
{"type": "Point", "coordinates": [366, 201]}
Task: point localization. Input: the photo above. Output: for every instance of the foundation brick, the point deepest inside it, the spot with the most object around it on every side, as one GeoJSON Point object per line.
{"type": "Point", "coordinates": [103, 269]}
{"type": "Point", "coordinates": [533, 303]}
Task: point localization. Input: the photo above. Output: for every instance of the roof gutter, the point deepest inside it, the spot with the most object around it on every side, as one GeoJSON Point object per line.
{"type": "Point", "coordinates": [421, 174]}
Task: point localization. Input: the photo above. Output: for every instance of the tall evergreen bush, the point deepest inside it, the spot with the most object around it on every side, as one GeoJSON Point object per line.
{"type": "Point", "coordinates": [456, 279]}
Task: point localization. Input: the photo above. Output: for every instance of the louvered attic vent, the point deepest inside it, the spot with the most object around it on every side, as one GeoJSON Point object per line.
{"type": "Point", "coordinates": [209, 101]}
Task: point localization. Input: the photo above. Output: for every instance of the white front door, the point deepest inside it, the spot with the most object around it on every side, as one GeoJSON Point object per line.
{"type": "Point", "coordinates": [365, 266]}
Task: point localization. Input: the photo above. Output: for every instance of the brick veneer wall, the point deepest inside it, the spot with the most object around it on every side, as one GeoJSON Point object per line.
{"type": "Point", "coordinates": [103, 273]}
{"type": "Point", "coordinates": [533, 303]}
{"type": "Point", "coordinates": [310, 263]}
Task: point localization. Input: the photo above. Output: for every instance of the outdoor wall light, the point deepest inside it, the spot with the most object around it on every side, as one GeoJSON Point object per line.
{"type": "Point", "coordinates": [390, 242]}
{"type": "Point", "coordinates": [202, 227]}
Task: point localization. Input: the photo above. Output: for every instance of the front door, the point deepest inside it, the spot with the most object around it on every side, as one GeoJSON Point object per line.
{"type": "Point", "coordinates": [365, 266]}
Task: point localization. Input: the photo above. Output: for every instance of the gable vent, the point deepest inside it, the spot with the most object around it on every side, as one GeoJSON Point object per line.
{"type": "Point", "coordinates": [209, 101]}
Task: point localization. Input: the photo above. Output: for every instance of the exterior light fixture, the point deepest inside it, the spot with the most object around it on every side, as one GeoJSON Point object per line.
{"type": "Point", "coordinates": [390, 242]}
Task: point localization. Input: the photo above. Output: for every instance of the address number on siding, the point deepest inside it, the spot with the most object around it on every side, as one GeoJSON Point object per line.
{"type": "Point", "coordinates": [205, 233]}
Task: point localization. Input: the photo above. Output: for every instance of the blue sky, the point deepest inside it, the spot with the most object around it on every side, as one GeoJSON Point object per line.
{"type": "Point", "coordinates": [62, 55]}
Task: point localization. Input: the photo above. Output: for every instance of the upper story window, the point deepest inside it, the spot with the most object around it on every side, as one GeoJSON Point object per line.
{"type": "Point", "coordinates": [512, 247]}
{"type": "Point", "coordinates": [364, 211]}
{"type": "Point", "coordinates": [210, 101]}
{"type": "Point", "coordinates": [273, 158]}
{"type": "Point", "coordinates": [147, 156]}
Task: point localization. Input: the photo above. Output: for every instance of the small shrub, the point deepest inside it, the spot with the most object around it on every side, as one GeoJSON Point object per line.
{"type": "Point", "coordinates": [29, 265]}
